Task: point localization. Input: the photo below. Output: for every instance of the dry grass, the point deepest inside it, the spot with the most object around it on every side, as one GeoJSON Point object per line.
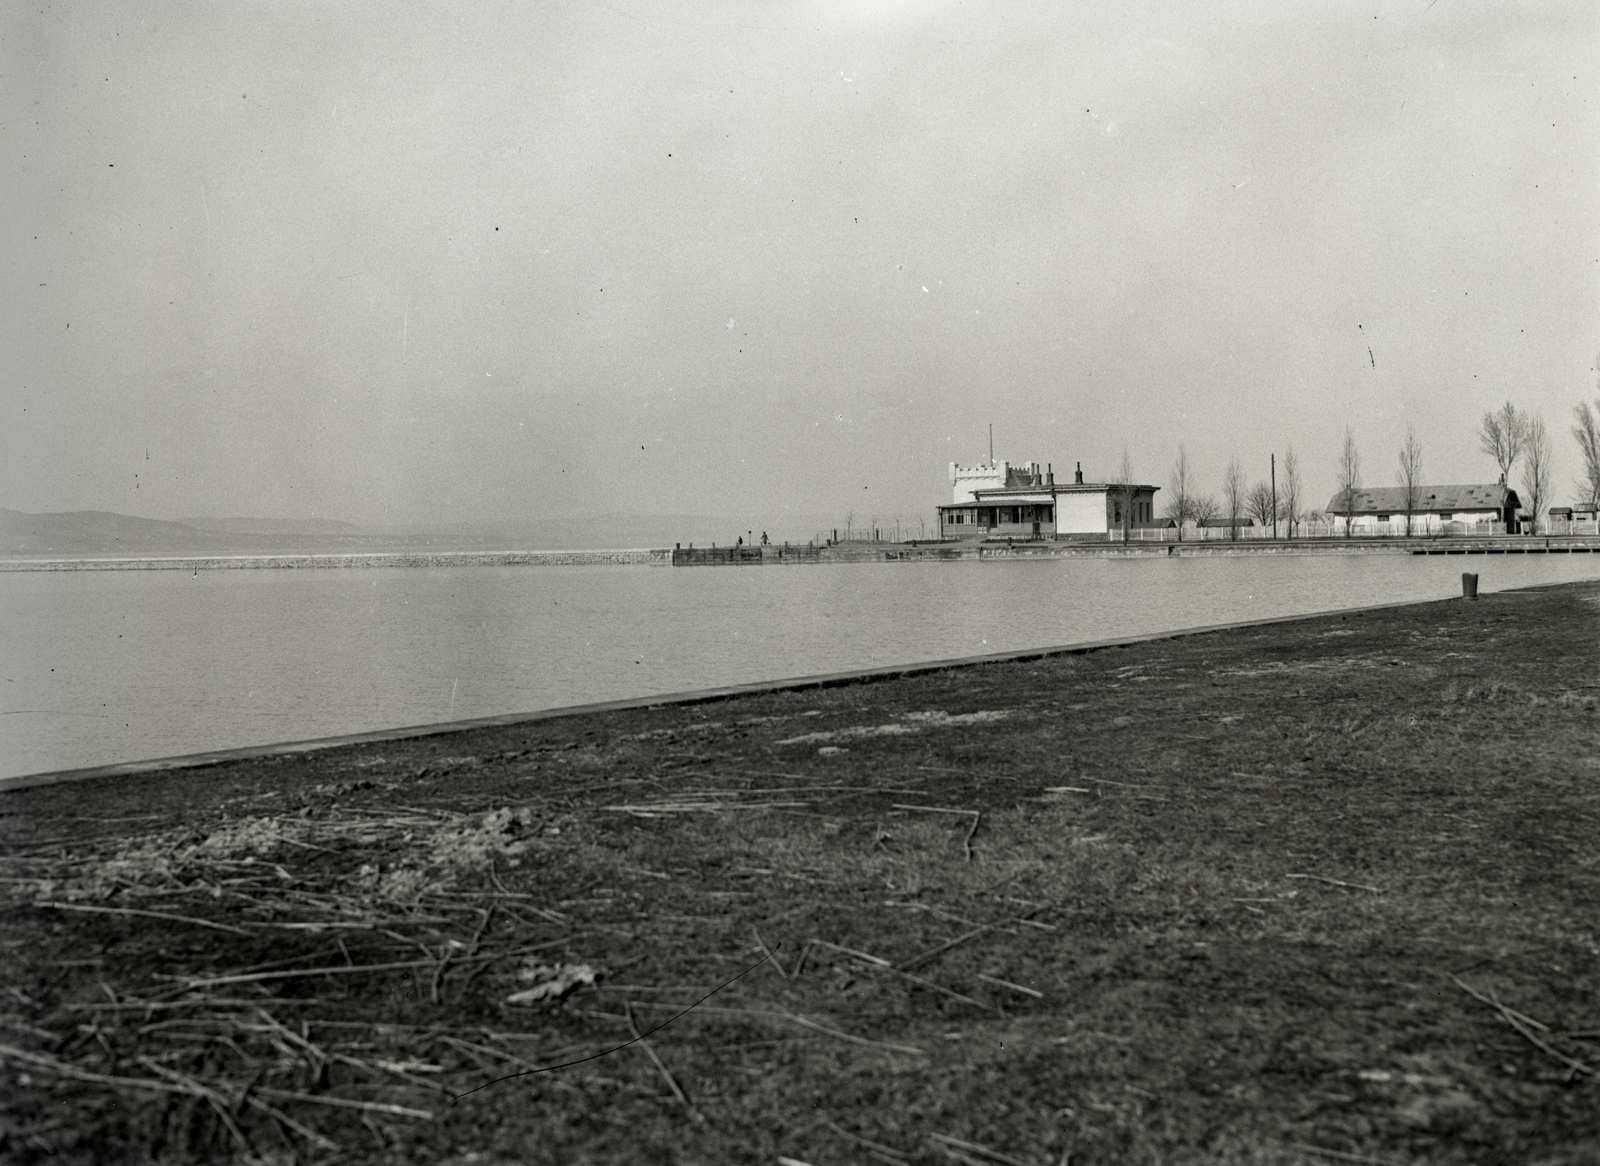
{"type": "Point", "coordinates": [1263, 897]}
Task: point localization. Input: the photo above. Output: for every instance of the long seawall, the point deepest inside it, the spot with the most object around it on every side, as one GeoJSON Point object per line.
{"type": "Point", "coordinates": [373, 559]}
{"type": "Point", "coordinates": [850, 552]}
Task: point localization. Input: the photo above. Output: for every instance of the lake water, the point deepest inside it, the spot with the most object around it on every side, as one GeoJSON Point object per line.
{"type": "Point", "coordinates": [109, 666]}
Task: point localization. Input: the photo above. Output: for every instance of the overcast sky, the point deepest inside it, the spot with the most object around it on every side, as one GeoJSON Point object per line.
{"type": "Point", "coordinates": [395, 262]}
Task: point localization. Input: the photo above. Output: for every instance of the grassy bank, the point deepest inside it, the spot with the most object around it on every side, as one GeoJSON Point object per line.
{"type": "Point", "coordinates": [1325, 891]}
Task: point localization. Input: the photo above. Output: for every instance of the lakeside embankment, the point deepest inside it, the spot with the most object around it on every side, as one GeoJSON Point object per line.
{"type": "Point", "coordinates": [800, 554]}
{"type": "Point", "coordinates": [364, 559]}
{"type": "Point", "coordinates": [1321, 890]}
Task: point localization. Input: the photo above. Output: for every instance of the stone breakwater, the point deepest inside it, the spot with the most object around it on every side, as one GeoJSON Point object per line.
{"type": "Point", "coordinates": [376, 559]}
{"type": "Point", "coordinates": [852, 552]}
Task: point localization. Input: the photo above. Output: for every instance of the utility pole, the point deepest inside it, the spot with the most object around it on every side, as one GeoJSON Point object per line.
{"type": "Point", "coordinates": [991, 443]}
{"type": "Point", "coordinates": [1274, 496]}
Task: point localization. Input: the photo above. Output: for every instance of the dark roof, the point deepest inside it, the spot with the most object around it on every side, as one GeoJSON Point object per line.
{"type": "Point", "coordinates": [1392, 499]}
{"type": "Point", "coordinates": [1021, 478]}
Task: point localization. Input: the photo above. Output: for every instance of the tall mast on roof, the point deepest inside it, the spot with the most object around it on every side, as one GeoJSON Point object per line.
{"type": "Point", "coordinates": [991, 443]}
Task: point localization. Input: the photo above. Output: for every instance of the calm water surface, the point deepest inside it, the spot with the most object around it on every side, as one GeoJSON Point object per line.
{"type": "Point", "coordinates": [107, 666]}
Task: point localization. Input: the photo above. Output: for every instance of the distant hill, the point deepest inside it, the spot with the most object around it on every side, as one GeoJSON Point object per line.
{"type": "Point", "coordinates": [100, 533]}
{"type": "Point", "coordinates": [273, 526]}
{"type": "Point", "coordinates": [80, 532]}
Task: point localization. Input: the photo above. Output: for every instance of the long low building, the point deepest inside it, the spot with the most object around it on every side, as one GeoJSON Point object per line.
{"type": "Point", "coordinates": [996, 499]}
{"type": "Point", "coordinates": [1434, 509]}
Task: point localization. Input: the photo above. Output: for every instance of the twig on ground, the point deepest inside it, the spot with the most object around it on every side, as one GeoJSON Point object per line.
{"type": "Point", "coordinates": [504, 1056]}
{"type": "Point", "coordinates": [762, 944]}
{"type": "Point", "coordinates": [397, 1070]}
{"type": "Point", "coordinates": [916, 960]}
{"type": "Point", "coordinates": [799, 964]}
{"type": "Point", "coordinates": [416, 943]}
{"type": "Point", "coordinates": [438, 974]}
{"type": "Point", "coordinates": [494, 876]}
{"type": "Point", "coordinates": [1013, 987]}
{"type": "Point", "coordinates": [212, 1098]}
{"type": "Point", "coordinates": [477, 935]}
{"type": "Point", "coordinates": [850, 951]}
{"type": "Point", "coordinates": [1341, 1155]}
{"type": "Point", "coordinates": [956, 1155]}
{"type": "Point", "coordinates": [304, 1131]}
{"type": "Point", "coordinates": [899, 1155]}
{"type": "Point", "coordinates": [334, 970]}
{"type": "Point", "coordinates": [1516, 1020]}
{"type": "Point", "coordinates": [666, 1074]}
{"type": "Point", "coordinates": [946, 1142]}
{"type": "Point", "coordinates": [77, 1074]}
{"type": "Point", "coordinates": [654, 809]}
{"type": "Point", "coordinates": [145, 915]}
{"type": "Point", "coordinates": [346, 1103]}
{"type": "Point", "coordinates": [1337, 883]}
{"type": "Point", "coordinates": [317, 1055]}
{"type": "Point", "coordinates": [169, 1005]}
{"type": "Point", "coordinates": [884, 965]}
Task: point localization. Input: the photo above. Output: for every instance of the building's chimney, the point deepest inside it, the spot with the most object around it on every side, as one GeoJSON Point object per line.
{"type": "Point", "coordinates": [1049, 474]}
{"type": "Point", "coordinates": [1078, 477]}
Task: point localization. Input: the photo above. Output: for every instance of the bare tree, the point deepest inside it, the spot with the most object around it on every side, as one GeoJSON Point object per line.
{"type": "Point", "coordinates": [1124, 485]}
{"type": "Point", "coordinates": [1179, 505]}
{"type": "Point", "coordinates": [1349, 478]}
{"type": "Point", "coordinates": [1587, 431]}
{"type": "Point", "coordinates": [1503, 435]}
{"type": "Point", "coordinates": [1233, 496]}
{"type": "Point", "coordinates": [1203, 509]}
{"type": "Point", "coordinates": [1289, 495]}
{"type": "Point", "coordinates": [1536, 467]}
{"type": "Point", "coordinates": [1409, 477]}
{"type": "Point", "coordinates": [1259, 504]}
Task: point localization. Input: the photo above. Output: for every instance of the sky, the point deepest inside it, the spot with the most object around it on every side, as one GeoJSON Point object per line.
{"type": "Point", "coordinates": [476, 262]}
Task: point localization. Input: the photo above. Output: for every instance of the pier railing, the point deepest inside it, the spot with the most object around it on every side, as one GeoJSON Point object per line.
{"type": "Point", "coordinates": [745, 555]}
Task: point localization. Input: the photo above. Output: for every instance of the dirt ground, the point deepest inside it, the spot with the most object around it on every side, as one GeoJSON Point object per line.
{"type": "Point", "coordinates": [1318, 892]}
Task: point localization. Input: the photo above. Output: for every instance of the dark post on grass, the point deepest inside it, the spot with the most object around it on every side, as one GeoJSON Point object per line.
{"type": "Point", "coordinates": [1469, 585]}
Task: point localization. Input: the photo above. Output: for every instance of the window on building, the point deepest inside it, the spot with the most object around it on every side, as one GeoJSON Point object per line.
{"type": "Point", "coordinates": [1444, 518]}
{"type": "Point", "coordinates": [1383, 518]}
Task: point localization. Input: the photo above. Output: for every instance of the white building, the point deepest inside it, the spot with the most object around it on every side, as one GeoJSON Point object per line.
{"type": "Point", "coordinates": [996, 499]}
{"type": "Point", "coordinates": [1434, 509]}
